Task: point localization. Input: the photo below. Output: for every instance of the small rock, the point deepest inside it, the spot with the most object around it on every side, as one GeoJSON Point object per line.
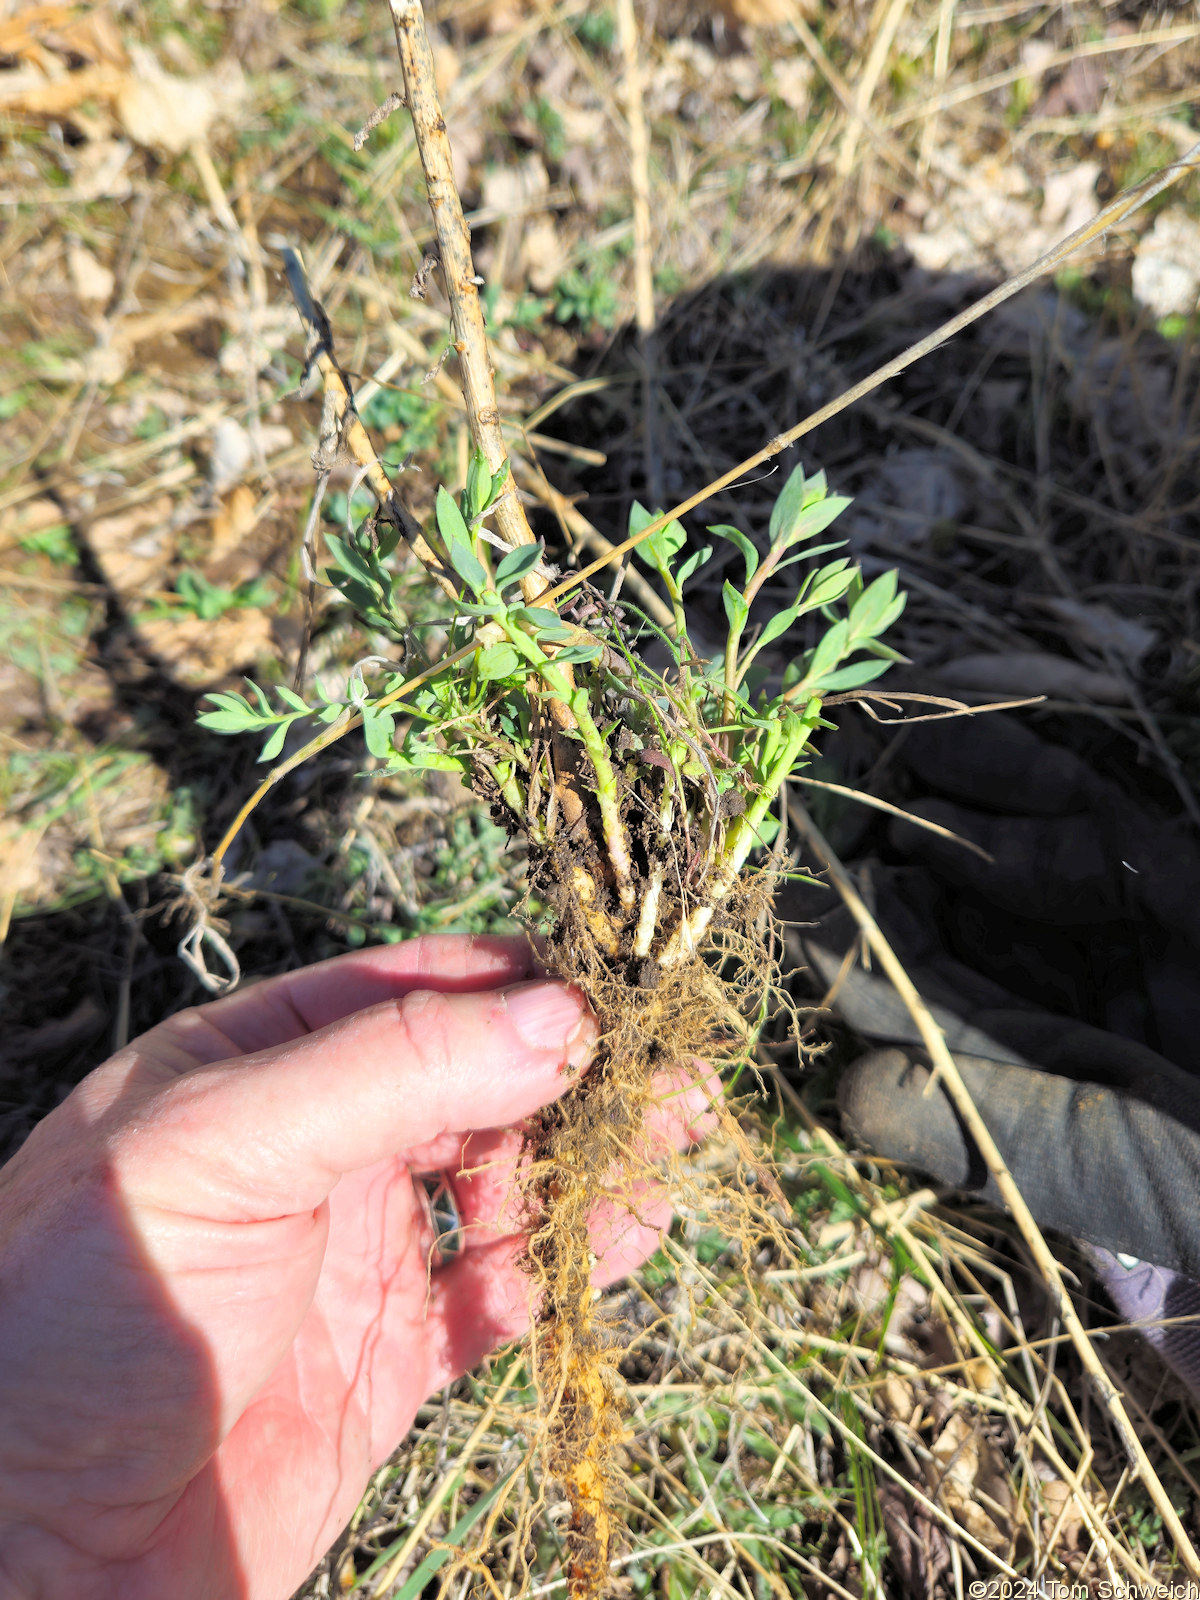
{"type": "Point", "coordinates": [1166, 269]}
{"type": "Point", "coordinates": [230, 453]}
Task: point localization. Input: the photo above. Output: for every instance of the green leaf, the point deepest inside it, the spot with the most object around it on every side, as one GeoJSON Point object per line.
{"type": "Point", "coordinates": [479, 486]}
{"type": "Point", "coordinates": [226, 721]}
{"type": "Point", "coordinates": [517, 563]}
{"type": "Point", "coordinates": [388, 534]}
{"type": "Point", "coordinates": [290, 697]}
{"type": "Point", "coordinates": [829, 652]}
{"type": "Point", "coordinates": [359, 595]}
{"type": "Point", "coordinates": [538, 616]}
{"type": "Point", "coordinates": [735, 536]}
{"type": "Point", "coordinates": [830, 584]}
{"type": "Point", "coordinates": [499, 479]}
{"type": "Point", "coordinates": [275, 743]}
{"type": "Point", "coordinates": [658, 550]}
{"type": "Point", "coordinates": [459, 544]}
{"type": "Point", "coordinates": [737, 608]}
{"type": "Point", "coordinates": [853, 676]}
{"type": "Point", "coordinates": [423, 759]}
{"type": "Point", "coordinates": [788, 506]}
{"type": "Point", "coordinates": [692, 564]}
{"type": "Point", "coordinates": [868, 611]}
{"type": "Point", "coordinates": [778, 624]}
{"type": "Point", "coordinates": [350, 561]}
{"type": "Point", "coordinates": [231, 701]}
{"type": "Point", "coordinates": [378, 727]}
{"type": "Point", "coordinates": [811, 555]}
{"type": "Point", "coordinates": [497, 661]}
{"type": "Point", "coordinates": [883, 651]}
{"type": "Point", "coordinates": [814, 519]}
{"type": "Point", "coordinates": [892, 613]}
{"type": "Point", "coordinates": [815, 490]}
{"type": "Point", "coordinates": [576, 653]}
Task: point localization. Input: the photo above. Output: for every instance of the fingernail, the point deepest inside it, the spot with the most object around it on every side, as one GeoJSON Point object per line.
{"type": "Point", "coordinates": [552, 1016]}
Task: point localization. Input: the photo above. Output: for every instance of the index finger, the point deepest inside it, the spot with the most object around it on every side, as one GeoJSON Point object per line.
{"type": "Point", "coordinates": [285, 1008]}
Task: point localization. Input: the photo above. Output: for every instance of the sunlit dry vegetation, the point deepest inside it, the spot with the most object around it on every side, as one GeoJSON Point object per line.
{"type": "Point", "coordinates": [836, 1381]}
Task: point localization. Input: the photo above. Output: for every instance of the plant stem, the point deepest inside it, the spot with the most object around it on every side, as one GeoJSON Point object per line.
{"type": "Point", "coordinates": [741, 838]}
{"type": "Point", "coordinates": [344, 425]}
{"type": "Point", "coordinates": [458, 270]}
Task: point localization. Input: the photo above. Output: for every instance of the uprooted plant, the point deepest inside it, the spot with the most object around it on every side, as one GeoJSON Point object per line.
{"type": "Point", "coordinates": [640, 790]}
{"type": "Point", "coordinates": [641, 793]}
{"type": "Point", "coordinates": [640, 769]}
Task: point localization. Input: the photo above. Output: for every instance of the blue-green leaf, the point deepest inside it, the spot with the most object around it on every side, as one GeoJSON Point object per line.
{"type": "Point", "coordinates": [737, 608]}
{"type": "Point", "coordinates": [290, 697]}
{"type": "Point", "coordinates": [868, 611]}
{"type": "Point", "coordinates": [778, 624]}
{"type": "Point", "coordinates": [813, 553]}
{"type": "Point", "coordinates": [814, 519]}
{"type": "Point", "coordinates": [229, 700]}
{"type": "Point", "coordinates": [264, 705]}
{"type": "Point", "coordinates": [576, 653]}
{"type": "Point", "coordinates": [693, 562]}
{"type": "Point", "coordinates": [459, 544]}
{"type": "Point", "coordinates": [538, 616]}
{"type": "Point", "coordinates": [479, 486]}
{"type": "Point", "coordinates": [349, 560]}
{"type": "Point", "coordinates": [735, 536]}
{"type": "Point", "coordinates": [517, 563]}
{"type": "Point", "coordinates": [830, 584]}
{"type": "Point", "coordinates": [423, 759]}
{"type": "Point", "coordinates": [275, 743]}
{"type": "Point", "coordinates": [829, 651]}
{"type": "Point", "coordinates": [852, 677]}
{"type": "Point", "coordinates": [788, 505]}
{"type": "Point", "coordinates": [228, 721]}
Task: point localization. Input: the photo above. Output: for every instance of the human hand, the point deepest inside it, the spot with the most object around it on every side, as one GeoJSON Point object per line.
{"type": "Point", "coordinates": [216, 1312]}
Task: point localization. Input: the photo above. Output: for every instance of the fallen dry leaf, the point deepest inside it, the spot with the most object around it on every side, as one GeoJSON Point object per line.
{"type": "Point", "coordinates": [93, 282]}
{"type": "Point", "coordinates": [161, 111]}
{"type": "Point", "coordinates": [234, 520]}
{"type": "Point", "coordinates": [28, 92]}
{"type": "Point", "coordinates": [199, 652]}
{"type": "Point", "coordinates": [971, 1468]}
{"type": "Point", "coordinates": [543, 255]}
{"type": "Point", "coordinates": [134, 548]}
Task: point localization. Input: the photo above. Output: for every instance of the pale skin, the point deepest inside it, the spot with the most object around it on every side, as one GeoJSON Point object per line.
{"type": "Point", "coordinates": [217, 1317]}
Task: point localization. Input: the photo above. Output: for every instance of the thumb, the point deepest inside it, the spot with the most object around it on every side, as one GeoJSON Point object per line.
{"type": "Point", "coordinates": [271, 1133]}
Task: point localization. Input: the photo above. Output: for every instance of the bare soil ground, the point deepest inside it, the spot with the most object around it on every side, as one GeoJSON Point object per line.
{"type": "Point", "coordinates": [888, 1412]}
